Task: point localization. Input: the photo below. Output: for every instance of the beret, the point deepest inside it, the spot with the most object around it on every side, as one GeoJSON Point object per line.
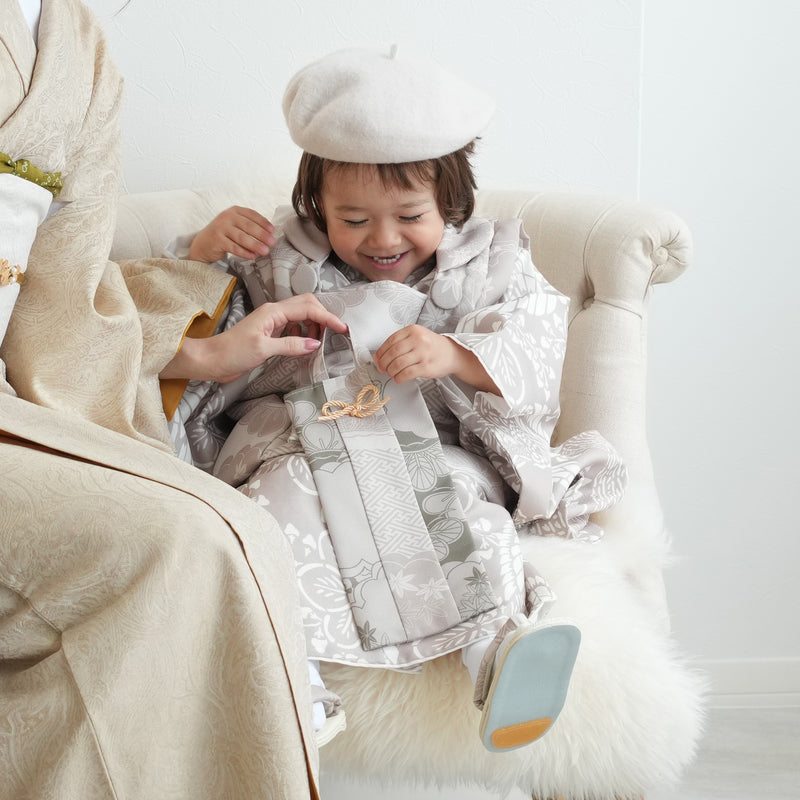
{"type": "Point", "coordinates": [369, 106]}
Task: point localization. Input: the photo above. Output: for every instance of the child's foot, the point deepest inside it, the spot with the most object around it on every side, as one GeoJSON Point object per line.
{"type": "Point", "coordinates": [332, 726]}
{"type": "Point", "coordinates": [529, 684]}
{"type": "Point", "coordinates": [326, 711]}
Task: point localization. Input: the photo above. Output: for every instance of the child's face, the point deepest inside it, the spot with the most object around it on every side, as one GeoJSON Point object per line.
{"type": "Point", "coordinates": [384, 233]}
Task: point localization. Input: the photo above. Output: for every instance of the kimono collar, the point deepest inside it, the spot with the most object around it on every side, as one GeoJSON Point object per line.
{"type": "Point", "coordinates": [459, 247]}
{"type": "Point", "coordinates": [67, 84]}
{"type": "Point", "coordinates": [18, 60]}
{"type": "Point", "coordinates": [311, 243]}
{"type": "Point", "coordinates": [462, 261]}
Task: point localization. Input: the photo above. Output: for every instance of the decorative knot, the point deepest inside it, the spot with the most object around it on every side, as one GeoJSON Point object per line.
{"type": "Point", "coordinates": [10, 274]}
{"type": "Point", "coordinates": [366, 404]}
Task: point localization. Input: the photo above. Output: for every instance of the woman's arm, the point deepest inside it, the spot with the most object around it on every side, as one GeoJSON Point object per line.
{"type": "Point", "coordinates": [271, 329]}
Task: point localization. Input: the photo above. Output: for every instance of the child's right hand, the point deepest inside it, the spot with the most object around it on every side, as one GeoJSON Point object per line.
{"type": "Point", "coordinates": [242, 232]}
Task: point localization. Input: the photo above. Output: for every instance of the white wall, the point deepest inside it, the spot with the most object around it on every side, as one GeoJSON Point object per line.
{"type": "Point", "coordinates": [690, 103]}
{"type": "Point", "coordinates": [720, 137]}
{"type": "Point", "coordinates": [204, 85]}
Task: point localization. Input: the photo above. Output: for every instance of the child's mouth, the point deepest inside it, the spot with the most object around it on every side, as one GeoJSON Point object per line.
{"type": "Point", "coordinates": [387, 261]}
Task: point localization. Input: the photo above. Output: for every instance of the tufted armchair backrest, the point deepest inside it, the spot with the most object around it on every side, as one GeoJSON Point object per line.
{"type": "Point", "coordinates": [604, 252]}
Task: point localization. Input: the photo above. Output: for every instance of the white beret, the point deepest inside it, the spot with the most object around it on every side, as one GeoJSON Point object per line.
{"type": "Point", "coordinates": [380, 107]}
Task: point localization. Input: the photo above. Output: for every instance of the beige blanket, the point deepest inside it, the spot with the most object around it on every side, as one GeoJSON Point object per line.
{"type": "Point", "coordinates": [150, 638]}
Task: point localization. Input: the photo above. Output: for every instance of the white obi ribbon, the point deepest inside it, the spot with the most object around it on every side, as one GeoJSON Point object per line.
{"type": "Point", "coordinates": [23, 207]}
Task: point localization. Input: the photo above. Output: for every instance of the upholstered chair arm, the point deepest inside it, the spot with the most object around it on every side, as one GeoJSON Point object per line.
{"type": "Point", "coordinates": [606, 253]}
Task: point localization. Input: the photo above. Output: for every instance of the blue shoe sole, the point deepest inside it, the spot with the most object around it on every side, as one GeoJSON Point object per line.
{"type": "Point", "coordinates": [529, 687]}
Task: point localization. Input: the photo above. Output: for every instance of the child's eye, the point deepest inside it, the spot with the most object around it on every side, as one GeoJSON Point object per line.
{"type": "Point", "coordinates": [415, 218]}
{"type": "Point", "coordinates": [354, 223]}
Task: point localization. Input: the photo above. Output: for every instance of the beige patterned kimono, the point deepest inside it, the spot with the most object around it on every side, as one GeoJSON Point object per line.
{"type": "Point", "coordinates": [150, 640]}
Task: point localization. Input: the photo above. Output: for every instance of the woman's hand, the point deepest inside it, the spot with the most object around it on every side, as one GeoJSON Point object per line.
{"type": "Point", "coordinates": [417, 352]}
{"type": "Point", "coordinates": [242, 232]}
{"type": "Point", "coordinates": [271, 329]}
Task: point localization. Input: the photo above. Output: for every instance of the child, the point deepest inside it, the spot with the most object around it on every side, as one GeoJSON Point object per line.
{"type": "Point", "coordinates": [383, 234]}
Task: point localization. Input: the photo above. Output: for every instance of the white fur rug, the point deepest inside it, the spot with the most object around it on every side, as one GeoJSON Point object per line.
{"type": "Point", "coordinates": [630, 725]}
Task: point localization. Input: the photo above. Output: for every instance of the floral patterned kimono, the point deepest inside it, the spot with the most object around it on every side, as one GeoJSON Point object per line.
{"type": "Point", "coordinates": [375, 596]}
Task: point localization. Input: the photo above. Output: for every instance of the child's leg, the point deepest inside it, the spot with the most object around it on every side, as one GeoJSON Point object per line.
{"type": "Point", "coordinates": [316, 683]}
{"type": "Point", "coordinates": [328, 714]}
{"type": "Point", "coordinates": [472, 655]}
{"type": "Point", "coordinates": [522, 680]}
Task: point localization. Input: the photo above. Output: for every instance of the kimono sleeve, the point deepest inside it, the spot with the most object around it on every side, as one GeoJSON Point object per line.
{"type": "Point", "coordinates": [521, 341]}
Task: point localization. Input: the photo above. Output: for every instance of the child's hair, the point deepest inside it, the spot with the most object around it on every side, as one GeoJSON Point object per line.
{"type": "Point", "coordinates": [451, 175]}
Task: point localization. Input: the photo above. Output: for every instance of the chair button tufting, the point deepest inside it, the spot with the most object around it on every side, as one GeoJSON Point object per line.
{"type": "Point", "coordinates": [660, 256]}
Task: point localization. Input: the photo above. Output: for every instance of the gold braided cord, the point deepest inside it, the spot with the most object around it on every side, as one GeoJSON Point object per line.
{"type": "Point", "coordinates": [366, 404]}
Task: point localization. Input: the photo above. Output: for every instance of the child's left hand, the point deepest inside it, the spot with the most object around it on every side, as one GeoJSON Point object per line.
{"type": "Point", "coordinates": [417, 352]}
{"type": "Point", "coordinates": [240, 231]}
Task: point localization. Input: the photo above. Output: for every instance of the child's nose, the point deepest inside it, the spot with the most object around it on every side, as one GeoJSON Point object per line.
{"type": "Point", "coordinates": [384, 235]}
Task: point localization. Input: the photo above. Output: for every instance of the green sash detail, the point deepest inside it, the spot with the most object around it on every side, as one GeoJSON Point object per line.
{"type": "Point", "coordinates": [24, 169]}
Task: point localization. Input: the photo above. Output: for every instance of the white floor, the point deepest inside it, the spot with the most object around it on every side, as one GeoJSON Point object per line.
{"type": "Point", "coordinates": [746, 753]}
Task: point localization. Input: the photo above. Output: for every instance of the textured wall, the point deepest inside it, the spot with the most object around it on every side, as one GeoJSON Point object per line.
{"type": "Point", "coordinates": [205, 80]}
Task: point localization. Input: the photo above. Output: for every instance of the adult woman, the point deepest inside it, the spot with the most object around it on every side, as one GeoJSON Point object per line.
{"type": "Point", "coordinates": [143, 651]}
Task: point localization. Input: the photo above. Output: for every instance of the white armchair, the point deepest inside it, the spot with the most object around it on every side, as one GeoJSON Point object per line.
{"type": "Point", "coordinates": [633, 714]}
